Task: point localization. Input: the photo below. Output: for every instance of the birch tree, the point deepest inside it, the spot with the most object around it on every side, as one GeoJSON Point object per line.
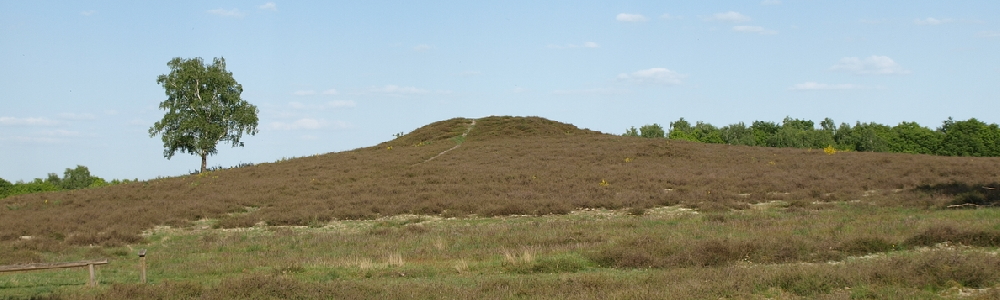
{"type": "Point", "coordinates": [203, 107]}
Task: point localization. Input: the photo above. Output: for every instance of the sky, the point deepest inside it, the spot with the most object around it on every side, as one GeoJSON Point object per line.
{"type": "Point", "coordinates": [78, 78]}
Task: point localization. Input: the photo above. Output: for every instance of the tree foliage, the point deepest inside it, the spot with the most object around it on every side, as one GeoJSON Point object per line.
{"type": "Point", "coordinates": [203, 107]}
{"type": "Point", "coordinates": [954, 138]}
{"type": "Point", "coordinates": [646, 131]}
{"type": "Point", "coordinates": [631, 132]}
{"type": "Point", "coordinates": [652, 131]}
{"type": "Point", "coordinates": [75, 178]}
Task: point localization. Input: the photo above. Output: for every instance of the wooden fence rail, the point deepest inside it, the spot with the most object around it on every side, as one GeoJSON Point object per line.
{"type": "Point", "coordinates": [45, 266]}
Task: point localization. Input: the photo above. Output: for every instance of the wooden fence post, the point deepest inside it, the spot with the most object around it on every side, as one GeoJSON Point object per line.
{"type": "Point", "coordinates": [93, 281]}
{"type": "Point", "coordinates": [142, 264]}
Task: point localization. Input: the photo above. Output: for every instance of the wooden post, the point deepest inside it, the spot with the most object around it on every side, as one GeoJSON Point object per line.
{"type": "Point", "coordinates": [45, 266]}
{"type": "Point", "coordinates": [142, 264]}
{"type": "Point", "coordinates": [93, 281]}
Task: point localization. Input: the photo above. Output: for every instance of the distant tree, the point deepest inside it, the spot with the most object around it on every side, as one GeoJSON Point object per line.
{"type": "Point", "coordinates": [765, 132]}
{"type": "Point", "coordinates": [203, 108]}
{"type": "Point", "coordinates": [33, 187]}
{"type": "Point", "coordinates": [804, 125]}
{"type": "Point", "coordinates": [910, 137]}
{"type": "Point", "coordinates": [652, 131]}
{"type": "Point", "coordinates": [842, 137]}
{"type": "Point", "coordinates": [76, 178]}
{"type": "Point", "coordinates": [706, 133]}
{"type": "Point", "coordinates": [870, 137]}
{"type": "Point", "coordinates": [52, 179]}
{"type": "Point", "coordinates": [828, 125]}
{"type": "Point", "coordinates": [5, 187]}
{"type": "Point", "coordinates": [98, 182]}
{"type": "Point", "coordinates": [738, 134]}
{"type": "Point", "coordinates": [969, 138]}
{"type": "Point", "coordinates": [681, 130]}
{"type": "Point", "coordinates": [631, 132]}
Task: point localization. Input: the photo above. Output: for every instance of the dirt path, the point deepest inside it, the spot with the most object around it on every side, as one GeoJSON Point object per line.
{"type": "Point", "coordinates": [471, 125]}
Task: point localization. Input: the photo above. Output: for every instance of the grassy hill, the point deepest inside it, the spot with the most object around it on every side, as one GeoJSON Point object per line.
{"type": "Point", "coordinates": [504, 166]}
{"type": "Point", "coordinates": [533, 197]}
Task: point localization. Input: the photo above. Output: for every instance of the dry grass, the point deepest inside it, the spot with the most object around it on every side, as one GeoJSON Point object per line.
{"type": "Point", "coordinates": [507, 166]}
{"type": "Point", "coordinates": [665, 253]}
{"type": "Point", "coordinates": [766, 222]}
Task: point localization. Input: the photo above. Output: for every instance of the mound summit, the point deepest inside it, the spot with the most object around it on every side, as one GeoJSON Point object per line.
{"type": "Point", "coordinates": [502, 166]}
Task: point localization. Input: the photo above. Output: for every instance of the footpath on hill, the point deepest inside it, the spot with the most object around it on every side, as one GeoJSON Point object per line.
{"type": "Point", "coordinates": [460, 141]}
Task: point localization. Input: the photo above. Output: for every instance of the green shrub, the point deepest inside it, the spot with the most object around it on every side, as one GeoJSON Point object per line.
{"type": "Point", "coordinates": [861, 246]}
{"type": "Point", "coordinates": [76, 178]}
{"type": "Point", "coordinates": [36, 186]}
{"type": "Point", "coordinates": [942, 234]}
{"type": "Point", "coordinates": [631, 132]}
{"type": "Point", "coordinates": [652, 131]}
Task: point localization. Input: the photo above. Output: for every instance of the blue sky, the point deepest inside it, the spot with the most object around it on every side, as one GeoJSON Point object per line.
{"type": "Point", "coordinates": [78, 79]}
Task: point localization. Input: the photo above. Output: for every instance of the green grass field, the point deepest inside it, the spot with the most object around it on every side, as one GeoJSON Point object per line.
{"type": "Point", "coordinates": [846, 251]}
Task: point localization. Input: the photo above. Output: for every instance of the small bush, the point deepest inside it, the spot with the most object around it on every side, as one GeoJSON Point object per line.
{"type": "Point", "coordinates": [238, 221]}
{"type": "Point", "coordinates": [563, 263]}
{"type": "Point", "coordinates": [636, 211]}
{"type": "Point", "coordinates": [942, 234]}
{"type": "Point", "coordinates": [807, 284]}
{"type": "Point", "coordinates": [865, 245]}
{"type": "Point", "coordinates": [107, 239]}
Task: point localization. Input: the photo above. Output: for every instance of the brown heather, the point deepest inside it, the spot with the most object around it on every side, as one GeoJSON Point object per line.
{"type": "Point", "coordinates": [506, 166]}
{"type": "Point", "coordinates": [776, 223]}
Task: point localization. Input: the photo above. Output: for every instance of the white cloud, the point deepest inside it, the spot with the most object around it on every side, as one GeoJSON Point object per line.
{"type": "Point", "coordinates": [932, 21]}
{"type": "Point", "coordinates": [331, 92]}
{"type": "Point", "coordinates": [77, 117]}
{"type": "Point", "coordinates": [27, 121]}
{"type": "Point", "coordinates": [236, 13]}
{"type": "Point", "coordinates": [813, 86]}
{"type": "Point", "coordinates": [341, 104]}
{"type": "Point", "coordinates": [570, 46]}
{"type": "Point", "coordinates": [269, 6]}
{"type": "Point", "coordinates": [88, 12]}
{"type": "Point", "coordinates": [296, 105]}
{"type": "Point", "coordinates": [667, 17]}
{"type": "Point", "coordinates": [873, 65]}
{"type": "Point", "coordinates": [304, 123]}
{"type": "Point", "coordinates": [653, 76]}
{"type": "Point", "coordinates": [988, 34]}
{"type": "Point", "coordinates": [754, 29]}
{"type": "Point", "coordinates": [623, 17]}
{"type": "Point", "coordinates": [729, 16]}
{"type": "Point", "coordinates": [422, 47]}
{"type": "Point", "coordinates": [304, 93]}
{"type": "Point", "coordinates": [770, 2]}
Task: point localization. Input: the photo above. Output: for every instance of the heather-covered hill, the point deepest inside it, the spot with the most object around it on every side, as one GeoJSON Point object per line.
{"type": "Point", "coordinates": [502, 166]}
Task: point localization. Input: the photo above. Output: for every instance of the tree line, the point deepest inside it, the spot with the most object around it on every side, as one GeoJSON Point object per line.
{"type": "Point", "coordinates": [76, 178]}
{"type": "Point", "coordinates": [953, 138]}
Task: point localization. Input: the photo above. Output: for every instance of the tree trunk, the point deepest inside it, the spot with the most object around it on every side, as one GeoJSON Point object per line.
{"type": "Point", "coordinates": [204, 162]}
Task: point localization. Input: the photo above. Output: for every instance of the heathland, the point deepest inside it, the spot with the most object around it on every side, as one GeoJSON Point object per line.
{"type": "Point", "coordinates": [524, 207]}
